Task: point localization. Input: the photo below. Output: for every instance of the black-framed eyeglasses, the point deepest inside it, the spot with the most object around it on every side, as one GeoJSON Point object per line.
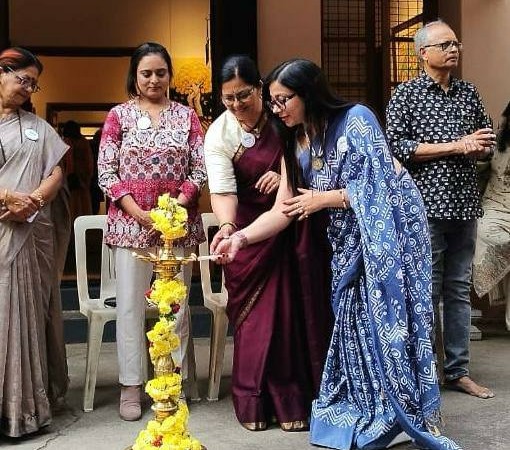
{"type": "Point", "coordinates": [241, 96]}
{"type": "Point", "coordinates": [446, 45]}
{"type": "Point", "coordinates": [26, 83]}
{"type": "Point", "coordinates": [280, 102]}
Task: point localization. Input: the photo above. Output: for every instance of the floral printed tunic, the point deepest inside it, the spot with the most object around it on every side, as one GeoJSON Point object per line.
{"type": "Point", "coordinates": [147, 161]}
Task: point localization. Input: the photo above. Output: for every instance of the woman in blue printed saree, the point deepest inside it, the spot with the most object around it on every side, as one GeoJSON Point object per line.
{"type": "Point", "coordinates": [379, 385]}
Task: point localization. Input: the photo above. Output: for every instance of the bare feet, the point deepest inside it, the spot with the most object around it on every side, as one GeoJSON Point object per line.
{"type": "Point", "coordinates": [468, 386]}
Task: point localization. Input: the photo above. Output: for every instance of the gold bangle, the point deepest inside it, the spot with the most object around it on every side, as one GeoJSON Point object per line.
{"type": "Point", "coordinates": [3, 203]}
{"type": "Point", "coordinates": [232, 224]}
{"type": "Point", "coordinates": [37, 194]}
{"type": "Point", "coordinates": [343, 204]}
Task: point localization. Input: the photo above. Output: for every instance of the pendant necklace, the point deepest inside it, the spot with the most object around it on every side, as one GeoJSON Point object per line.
{"type": "Point", "coordinates": [317, 155]}
{"type": "Point", "coordinates": [249, 137]}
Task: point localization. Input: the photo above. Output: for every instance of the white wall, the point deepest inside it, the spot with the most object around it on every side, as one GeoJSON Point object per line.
{"type": "Point", "coordinates": [288, 29]}
{"type": "Point", "coordinates": [89, 23]}
{"type": "Point", "coordinates": [179, 25]}
{"type": "Point", "coordinates": [486, 54]}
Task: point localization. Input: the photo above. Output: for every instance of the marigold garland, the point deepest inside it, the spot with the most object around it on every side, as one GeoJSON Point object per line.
{"type": "Point", "coordinates": [164, 387]}
{"type": "Point", "coordinates": [166, 293]}
{"type": "Point", "coordinates": [162, 339]}
{"type": "Point", "coordinates": [169, 218]}
{"type": "Point", "coordinates": [171, 434]}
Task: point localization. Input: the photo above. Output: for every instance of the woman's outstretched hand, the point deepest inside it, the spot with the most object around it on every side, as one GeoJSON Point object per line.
{"type": "Point", "coordinates": [227, 249]}
{"type": "Point", "coordinates": [268, 183]}
{"type": "Point", "coordinates": [301, 206]}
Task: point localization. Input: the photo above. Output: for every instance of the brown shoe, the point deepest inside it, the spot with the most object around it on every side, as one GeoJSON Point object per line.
{"type": "Point", "coordinates": [297, 425]}
{"type": "Point", "coordinates": [130, 408]}
{"type": "Point", "coordinates": [254, 426]}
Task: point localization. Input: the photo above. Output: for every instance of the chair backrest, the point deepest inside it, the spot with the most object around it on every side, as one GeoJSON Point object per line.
{"type": "Point", "coordinates": [83, 224]}
{"type": "Point", "coordinates": [209, 220]}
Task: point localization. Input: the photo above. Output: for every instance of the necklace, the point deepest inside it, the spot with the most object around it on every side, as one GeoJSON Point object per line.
{"type": "Point", "coordinates": [249, 137]}
{"type": "Point", "coordinates": [4, 159]}
{"type": "Point", "coordinates": [317, 154]}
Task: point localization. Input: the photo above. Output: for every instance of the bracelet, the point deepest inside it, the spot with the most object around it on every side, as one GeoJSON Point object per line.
{"type": "Point", "coordinates": [3, 202]}
{"type": "Point", "coordinates": [242, 237]}
{"type": "Point", "coordinates": [232, 224]}
{"type": "Point", "coordinates": [343, 203]}
{"type": "Point", "coordinates": [39, 197]}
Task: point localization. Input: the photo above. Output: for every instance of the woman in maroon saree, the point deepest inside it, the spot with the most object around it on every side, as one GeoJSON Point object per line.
{"type": "Point", "coordinates": [278, 299]}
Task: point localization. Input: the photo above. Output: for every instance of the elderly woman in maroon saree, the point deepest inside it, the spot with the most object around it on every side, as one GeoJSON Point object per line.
{"type": "Point", "coordinates": [277, 289]}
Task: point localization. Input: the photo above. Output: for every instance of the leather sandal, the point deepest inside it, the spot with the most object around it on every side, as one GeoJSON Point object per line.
{"type": "Point", "coordinates": [254, 426]}
{"type": "Point", "coordinates": [297, 425]}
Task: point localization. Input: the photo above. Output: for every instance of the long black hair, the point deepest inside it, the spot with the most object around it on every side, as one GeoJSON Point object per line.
{"type": "Point", "coordinates": [308, 81]}
{"type": "Point", "coordinates": [148, 48]}
{"type": "Point", "coordinates": [504, 131]}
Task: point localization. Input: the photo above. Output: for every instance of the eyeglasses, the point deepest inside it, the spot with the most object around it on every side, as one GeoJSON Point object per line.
{"type": "Point", "coordinates": [26, 83]}
{"type": "Point", "coordinates": [240, 96]}
{"type": "Point", "coordinates": [280, 102]}
{"type": "Point", "coordinates": [447, 45]}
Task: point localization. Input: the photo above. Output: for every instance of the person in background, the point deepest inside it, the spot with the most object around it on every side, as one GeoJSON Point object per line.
{"type": "Point", "coordinates": [79, 168]}
{"type": "Point", "coordinates": [491, 263]}
{"type": "Point", "coordinates": [150, 146]}
{"type": "Point", "coordinates": [437, 127]}
{"type": "Point", "coordinates": [277, 289]}
{"type": "Point", "coordinates": [96, 194]}
{"type": "Point", "coordinates": [378, 386]}
{"type": "Point", "coordinates": [33, 369]}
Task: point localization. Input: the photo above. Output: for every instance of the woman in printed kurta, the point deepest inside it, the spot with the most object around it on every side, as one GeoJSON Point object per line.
{"type": "Point", "coordinates": [33, 370]}
{"type": "Point", "coordinates": [149, 146]}
{"type": "Point", "coordinates": [280, 315]}
{"type": "Point", "coordinates": [379, 385]}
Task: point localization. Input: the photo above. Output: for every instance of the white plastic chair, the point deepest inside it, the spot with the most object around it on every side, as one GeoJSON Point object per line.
{"type": "Point", "coordinates": [98, 314]}
{"type": "Point", "coordinates": [216, 302]}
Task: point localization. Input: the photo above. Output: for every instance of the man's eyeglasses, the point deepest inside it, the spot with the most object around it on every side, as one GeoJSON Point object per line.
{"type": "Point", "coordinates": [280, 102]}
{"type": "Point", "coordinates": [26, 83]}
{"type": "Point", "coordinates": [241, 96]}
{"type": "Point", "coordinates": [445, 46]}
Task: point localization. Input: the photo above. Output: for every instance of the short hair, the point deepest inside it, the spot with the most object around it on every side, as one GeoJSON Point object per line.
{"type": "Point", "coordinates": [241, 66]}
{"type": "Point", "coordinates": [71, 129]}
{"type": "Point", "coordinates": [16, 58]}
{"type": "Point", "coordinates": [421, 36]}
{"type": "Point", "coordinates": [148, 48]}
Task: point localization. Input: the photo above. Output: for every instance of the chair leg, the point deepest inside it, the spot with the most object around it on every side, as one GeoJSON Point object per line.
{"type": "Point", "coordinates": [193, 393]}
{"type": "Point", "coordinates": [217, 351]}
{"type": "Point", "coordinates": [94, 340]}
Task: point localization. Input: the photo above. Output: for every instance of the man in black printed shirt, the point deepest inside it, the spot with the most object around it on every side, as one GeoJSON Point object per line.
{"type": "Point", "coordinates": [437, 127]}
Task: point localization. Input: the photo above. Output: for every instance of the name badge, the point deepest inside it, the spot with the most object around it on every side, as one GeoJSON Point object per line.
{"type": "Point", "coordinates": [31, 134]}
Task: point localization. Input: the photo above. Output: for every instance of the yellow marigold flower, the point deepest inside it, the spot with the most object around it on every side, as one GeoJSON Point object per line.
{"type": "Point", "coordinates": [169, 217]}
{"type": "Point", "coordinates": [164, 387]}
